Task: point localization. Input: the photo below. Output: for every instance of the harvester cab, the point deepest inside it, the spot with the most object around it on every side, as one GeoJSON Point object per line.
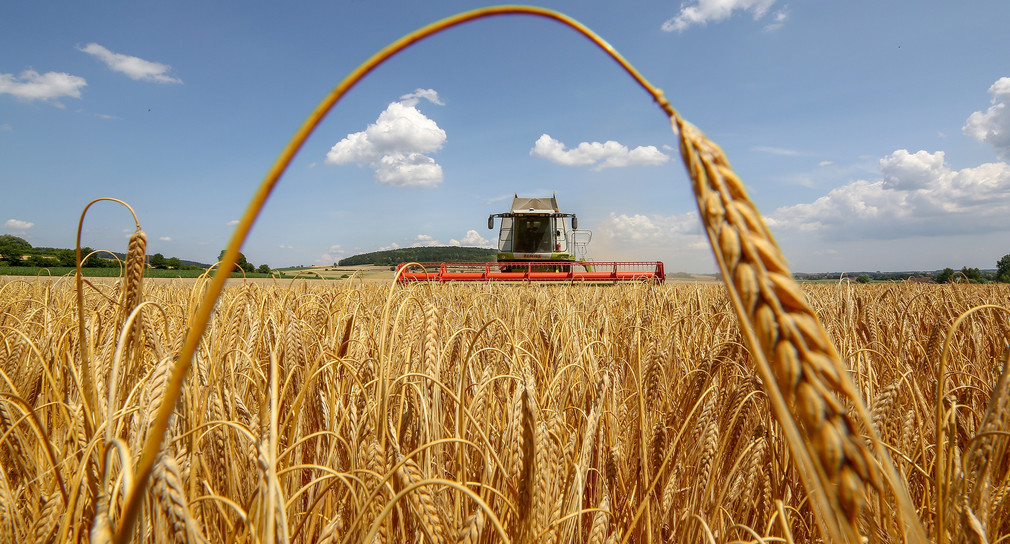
{"type": "Point", "coordinates": [535, 230]}
{"type": "Point", "coordinates": [535, 244]}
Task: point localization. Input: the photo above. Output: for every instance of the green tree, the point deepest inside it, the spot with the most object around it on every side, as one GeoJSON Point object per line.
{"type": "Point", "coordinates": [41, 261]}
{"type": "Point", "coordinates": [9, 240]}
{"type": "Point", "coordinates": [973, 275]}
{"type": "Point", "coordinates": [241, 263]}
{"type": "Point", "coordinates": [263, 269]}
{"type": "Point", "coordinates": [67, 257]}
{"type": "Point", "coordinates": [1003, 269]}
{"type": "Point", "coordinates": [174, 262]}
{"type": "Point", "coordinates": [863, 278]}
{"type": "Point", "coordinates": [946, 276]}
{"type": "Point", "coordinates": [159, 261]}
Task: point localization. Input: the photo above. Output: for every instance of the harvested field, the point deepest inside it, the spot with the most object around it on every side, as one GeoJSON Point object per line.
{"type": "Point", "coordinates": [343, 412]}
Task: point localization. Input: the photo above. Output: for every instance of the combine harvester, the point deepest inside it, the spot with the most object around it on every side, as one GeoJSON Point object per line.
{"type": "Point", "coordinates": [535, 244]}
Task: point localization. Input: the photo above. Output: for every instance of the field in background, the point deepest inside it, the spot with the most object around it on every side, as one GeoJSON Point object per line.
{"type": "Point", "coordinates": [347, 411]}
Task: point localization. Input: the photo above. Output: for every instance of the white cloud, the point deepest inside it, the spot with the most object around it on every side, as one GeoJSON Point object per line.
{"type": "Point", "coordinates": [411, 99]}
{"type": "Point", "coordinates": [17, 224]}
{"type": "Point", "coordinates": [702, 12]}
{"type": "Point", "coordinates": [232, 223]}
{"type": "Point", "coordinates": [31, 85]}
{"type": "Point", "coordinates": [630, 227]}
{"type": "Point", "coordinates": [471, 239]}
{"type": "Point", "coordinates": [599, 156]}
{"type": "Point", "coordinates": [777, 151]}
{"type": "Point", "coordinates": [134, 67]}
{"type": "Point", "coordinates": [408, 170]}
{"type": "Point", "coordinates": [677, 239]}
{"type": "Point", "coordinates": [165, 238]}
{"type": "Point", "coordinates": [993, 125]}
{"type": "Point", "coordinates": [332, 255]}
{"type": "Point", "coordinates": [916, 195]}
{"type": "Point", "coordinates": [397, 144]}
{"type": "Point", "coordinates": [643, 228]}
{"type": "Point", "coordinates": [6, 126]}
{"type": "Point", "coordinates": [423, 240]}
{"type": "Point", "coordinates": [778, 20]}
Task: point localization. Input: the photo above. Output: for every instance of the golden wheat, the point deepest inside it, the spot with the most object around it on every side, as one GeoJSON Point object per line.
{"type": "Point", "coordinates": [551, 447]}
{"type": "Point", "coordinates": [353, 412]}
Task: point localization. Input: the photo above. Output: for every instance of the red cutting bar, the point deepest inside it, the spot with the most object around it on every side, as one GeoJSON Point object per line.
{"type": "Point", "coordinates": [556, 271]}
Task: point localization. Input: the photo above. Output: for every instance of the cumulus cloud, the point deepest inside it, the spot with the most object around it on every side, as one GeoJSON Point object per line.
{"type": "Point", "coordinates": [17, 224]}
{"type": "Point", "coordinates": [134, 67]}
{"type": "Point", "coordinates": [609, 154]}
{"type": "Point", "coordinates": [165, 238]}
{"type": "Point", "coordinates": [332, 255]}
{"type": "Point", "coordinates": [408, 169]}
{"type": "Point", "coordinates": [396, 145]}
{"type": "Point", "coordinates": [232, 223]}
{"type": "Point", "coordinates": [471, 239]}
{"type": "Point", "coordinates": [993, 125]}
{"type": "Point", "coordinates": [917, 194]}
{"type": "Point", "coordinates": [701, 12]}
{"type": "Point", "coordinates": [424, 240]}
{"type": "Point", "coordinates": [649, 229]}
{"type": "Point", "coordinates": [411, 99]}
{"type": "Point", "coordinates": [31, 85]}
{"type": "Point", "coordinates": [678, 240]}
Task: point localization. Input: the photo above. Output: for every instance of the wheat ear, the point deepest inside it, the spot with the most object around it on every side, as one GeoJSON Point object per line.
{"type": "Point", "coordinates": [136, 264]}
{"type": "Point", "coordinates": [796, 359]}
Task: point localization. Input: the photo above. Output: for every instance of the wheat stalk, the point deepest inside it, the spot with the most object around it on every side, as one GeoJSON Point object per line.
{"type": "Point", "coordinates": [797, 360]}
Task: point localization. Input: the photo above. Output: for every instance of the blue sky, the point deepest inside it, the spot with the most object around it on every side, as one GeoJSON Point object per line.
{"type": "Point", "coordinates": [872, 135]}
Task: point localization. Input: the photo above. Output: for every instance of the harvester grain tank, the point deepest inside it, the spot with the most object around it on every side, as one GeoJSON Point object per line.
{"type": "Point", "coordinates": [535, 244]}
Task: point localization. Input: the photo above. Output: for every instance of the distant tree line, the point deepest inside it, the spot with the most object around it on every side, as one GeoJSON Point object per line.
{"type": "Point", "coordinates": [974, 275]}
{"type": "Point", "coordinates": [862, 277]}
{"type": "Point", "coordinates": [437, 254]}
{"type": "Point", "coordinates": [948, 275]}
{"type": "Point", "coordinates": [18, 252]}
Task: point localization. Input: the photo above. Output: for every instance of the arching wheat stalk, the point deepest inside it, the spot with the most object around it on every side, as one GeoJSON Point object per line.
{"type": "Point", "coordinates": [801, 369]}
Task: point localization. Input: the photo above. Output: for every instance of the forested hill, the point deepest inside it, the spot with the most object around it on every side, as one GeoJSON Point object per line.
{"type": "Point", "coordinates": [440, 254]}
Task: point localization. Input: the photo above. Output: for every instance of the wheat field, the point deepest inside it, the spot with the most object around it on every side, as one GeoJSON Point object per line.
{"type": "Point", "coordinates": [353, 412]}
{"type": "Point", "coordinates": [758, 410]}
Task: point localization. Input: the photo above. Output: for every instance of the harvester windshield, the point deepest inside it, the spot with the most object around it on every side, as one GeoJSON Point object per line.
{"type": "Point", "coordinates": [533, 234]}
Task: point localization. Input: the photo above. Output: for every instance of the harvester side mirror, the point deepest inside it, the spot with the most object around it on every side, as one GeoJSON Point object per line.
{"type": "Point", "coordinates": [490, 222]}
{"type": "Point", "coordinates": [575, 222]}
